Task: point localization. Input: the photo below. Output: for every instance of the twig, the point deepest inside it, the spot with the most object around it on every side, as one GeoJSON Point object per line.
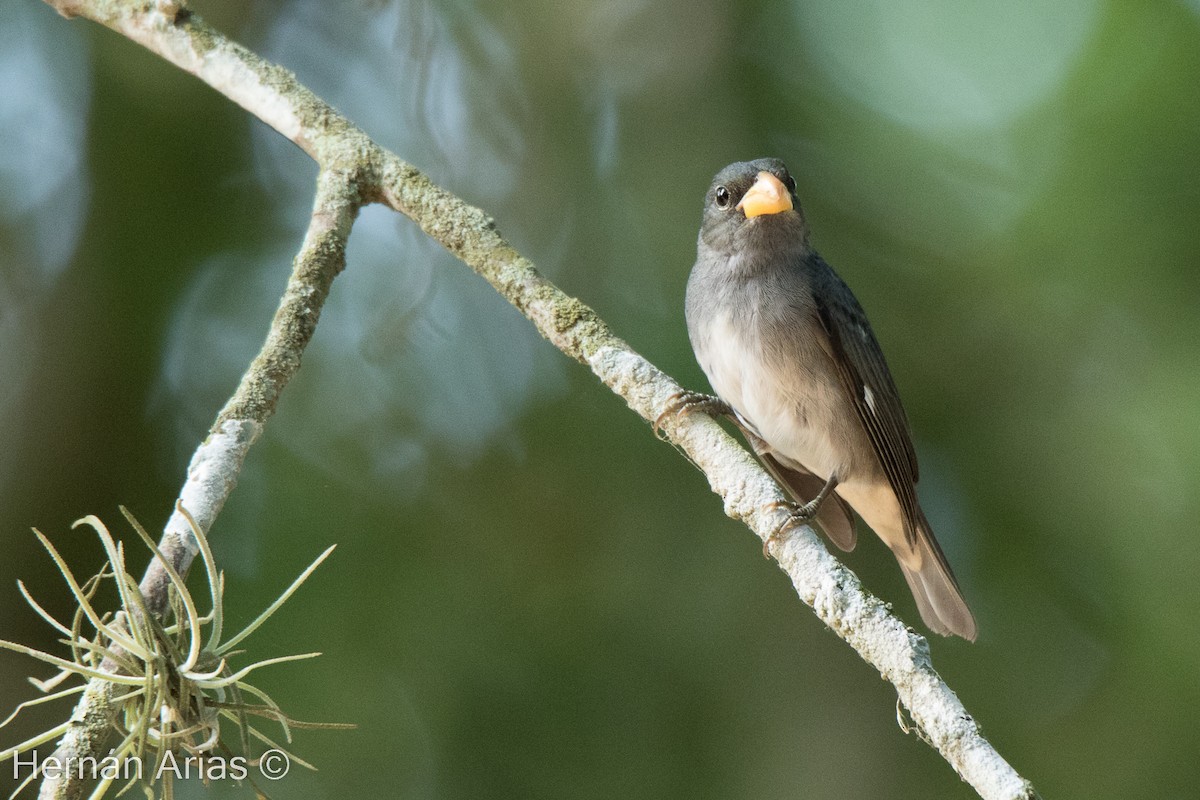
{"type": "Point", "coordinates": [217, 462]}
{"type": "Point", "coordinates": [369, 173]}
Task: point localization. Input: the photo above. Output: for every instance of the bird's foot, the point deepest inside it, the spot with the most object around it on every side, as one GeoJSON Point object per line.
{"type": "Point", "coordinates": [689, 402]}
{"type": "Point", "coordinates": [797, 514]}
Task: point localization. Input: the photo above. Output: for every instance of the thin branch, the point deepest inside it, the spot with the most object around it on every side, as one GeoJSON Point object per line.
{"type": "Point", "coordinates": [212, 474]}
{"type": "Point", "coordinates": [370, 173]}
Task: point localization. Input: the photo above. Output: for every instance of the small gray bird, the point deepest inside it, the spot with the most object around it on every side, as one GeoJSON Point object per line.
{"type": "Point", "coordinates": [786, 345]}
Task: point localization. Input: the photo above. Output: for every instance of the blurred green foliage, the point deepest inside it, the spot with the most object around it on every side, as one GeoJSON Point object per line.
{"type": "Point", "coordinates": [533, 597]}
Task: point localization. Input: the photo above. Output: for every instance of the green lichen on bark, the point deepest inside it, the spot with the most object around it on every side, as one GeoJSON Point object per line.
{"type": "Point", "coordinates": [204, 39]}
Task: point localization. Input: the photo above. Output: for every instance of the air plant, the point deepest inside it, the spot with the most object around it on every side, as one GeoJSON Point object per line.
{"type": "Point", "coordinates": [170, 680]}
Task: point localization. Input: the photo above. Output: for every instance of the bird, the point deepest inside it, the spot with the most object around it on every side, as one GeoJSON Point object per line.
{"type": "Point", "coordinates": [789, 352]}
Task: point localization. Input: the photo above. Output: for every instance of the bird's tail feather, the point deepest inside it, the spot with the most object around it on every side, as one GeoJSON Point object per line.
{"type": "Point", "coordinates": [935, 589]}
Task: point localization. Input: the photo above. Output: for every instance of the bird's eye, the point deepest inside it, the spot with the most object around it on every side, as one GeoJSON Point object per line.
{"type": "Point", "coordinates": [722, 197]}
{"type": "Point", "coordinates": [791, 184]}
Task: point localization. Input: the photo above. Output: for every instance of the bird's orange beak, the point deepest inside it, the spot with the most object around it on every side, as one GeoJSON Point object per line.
{"type": "Point", "coordinates": [768, 195]}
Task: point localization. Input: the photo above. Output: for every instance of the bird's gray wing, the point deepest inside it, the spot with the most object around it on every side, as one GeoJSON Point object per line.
{"type": "Point", "coordinates": [865, 375]}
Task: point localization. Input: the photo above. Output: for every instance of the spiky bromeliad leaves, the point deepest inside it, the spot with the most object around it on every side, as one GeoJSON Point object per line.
{"type": "Point", "coordinates": [172, 678]}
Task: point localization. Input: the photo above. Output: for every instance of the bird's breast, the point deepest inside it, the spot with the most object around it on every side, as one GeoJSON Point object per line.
{"type": "Point", "coordinates": [780, 380]}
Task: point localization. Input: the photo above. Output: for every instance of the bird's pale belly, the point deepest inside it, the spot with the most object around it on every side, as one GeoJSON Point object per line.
{"type": "Point", "coordinates": [796, 410]}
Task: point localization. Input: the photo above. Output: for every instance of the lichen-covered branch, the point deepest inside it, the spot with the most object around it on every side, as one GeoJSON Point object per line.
{"type": "Point", "coordinates": [368, 173]}
{"type": "Point", "coordinates": [215, 465]}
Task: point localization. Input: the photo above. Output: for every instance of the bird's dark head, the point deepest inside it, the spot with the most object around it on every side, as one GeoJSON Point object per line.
{"type": "Point", "coordinates": [752, 207]}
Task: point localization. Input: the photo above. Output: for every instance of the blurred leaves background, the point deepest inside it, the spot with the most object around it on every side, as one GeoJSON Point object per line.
{"type": "Point", "coordinates": [532, 597]}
